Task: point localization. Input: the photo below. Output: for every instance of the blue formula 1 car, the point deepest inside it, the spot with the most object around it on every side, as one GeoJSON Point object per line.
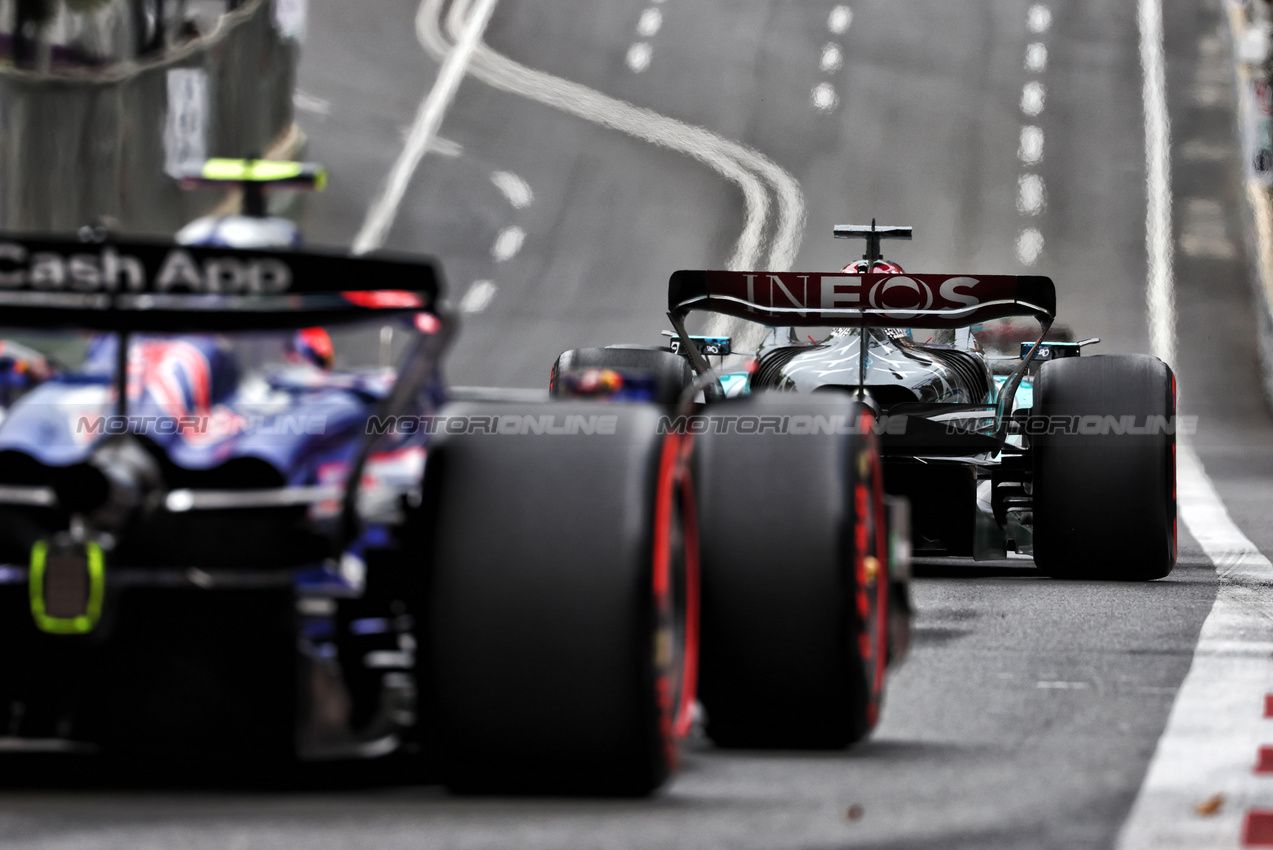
{"type": "Point", "coordinates": [242, 527]}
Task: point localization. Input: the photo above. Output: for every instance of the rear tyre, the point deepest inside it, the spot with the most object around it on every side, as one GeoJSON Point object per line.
{"type": "Point", "coordinates": [672, 372]}
{"type": "Point", "coordinates": [1105, 502]}
{"type": "Point", "coordinates": [552, 645]}
{"type": "Point", "coordinates": [794, 572]}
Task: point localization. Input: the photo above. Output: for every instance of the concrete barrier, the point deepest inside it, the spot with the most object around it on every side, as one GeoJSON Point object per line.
{"type": "Point", "coordinates": [88, 146]}
{"type": "Point", "coordinates": [1258, 210]}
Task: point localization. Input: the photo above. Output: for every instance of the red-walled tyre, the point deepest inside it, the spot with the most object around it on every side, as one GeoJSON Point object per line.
{"type": "Point", "coordinates": [794, 572]}
{"type": "Point", "coordinates": [558, 631]}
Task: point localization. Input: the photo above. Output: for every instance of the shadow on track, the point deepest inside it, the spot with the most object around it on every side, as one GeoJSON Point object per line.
{"type": "Point", "coordinates": [967, 568]}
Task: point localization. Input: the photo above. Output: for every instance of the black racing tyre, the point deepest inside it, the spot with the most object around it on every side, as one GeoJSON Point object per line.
{"type": "Point", "coordinates": [1104, 501]}
{"type": "Point", "coordinates": [794, 572]}
{"type": "Point", "coordinates": [671, 372]}
{"type": "Point", "coordinates": [556, 617]}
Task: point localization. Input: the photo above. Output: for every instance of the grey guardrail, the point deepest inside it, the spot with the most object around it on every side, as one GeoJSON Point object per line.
{"type": "Point", "coordinates": [87, 146]}
{"type": "Point", "coordinates": [1257, 212]}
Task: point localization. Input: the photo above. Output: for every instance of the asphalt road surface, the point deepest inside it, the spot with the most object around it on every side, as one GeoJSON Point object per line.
{"type": "Point", "coordinates": [1010, 134]}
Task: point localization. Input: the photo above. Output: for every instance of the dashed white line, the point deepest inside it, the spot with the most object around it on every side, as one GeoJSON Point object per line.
{"type": "Point", "coordinates": [840, 20]}
{"type": "Point", "coordinates": [1203, 232]}
{"type": "Point", "coordinates": [1031, 194]}
{"type": "Point", "coordinates": [1033, 97]}
{"type": "Point", "coordinates": [824, 98]}
{"type": "Point", "coordinates": [1029, 246]}
{"type": "Point", "coordinates": [479, 296]}
{"type": "Point", "coordinates": [384, 209]}
{"type": "Point", "coordinates": [1039, 18]}
{"type": "Point", "coordinates": [641, 53]}
{"type": "Point", "coordinates": [743, 166]}
{"type": "Point", "coordinates": [832, 58]}
{"type": "Point", "coordinates": [1036, 57]}
{"type": "Point", "coordinates": [516, 189]}
{"type": "Point", "coordinates": [650, 22]}
{"type": "Point", "coordinates": [508, 243]}
{"type": "Point", "coordinates": [638, 58]}
{"type": "Point", "coordinates": [1030, 151]}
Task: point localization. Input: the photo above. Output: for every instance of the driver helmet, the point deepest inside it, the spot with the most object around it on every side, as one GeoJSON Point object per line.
{"type": "Point", "coordinates": [312, 346]}
{"type": "Point", "coordinates": [872, 267]}
{"type": "Point", "coordinates": [240, 231]}
{"type": "Point", "coordinates": [876, 267]}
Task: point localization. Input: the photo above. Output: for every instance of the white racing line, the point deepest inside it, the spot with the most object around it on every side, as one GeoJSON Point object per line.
{"type": "Point", "coordinates": [756, 176]}
{"type": "Point", "coordinates": [1201, 790]}
{"type": "Point", "coordinates": [375, 228]}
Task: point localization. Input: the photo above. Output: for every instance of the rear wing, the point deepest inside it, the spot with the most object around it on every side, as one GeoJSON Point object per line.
{"type": "Point", "coordinates": [156, 286]}
{"type": "Point", "coordinates": [270, 174]}
{"type": "Point", "coordinates": [874, 300]}
{"type": "Point", "coordinates": [255, 177]}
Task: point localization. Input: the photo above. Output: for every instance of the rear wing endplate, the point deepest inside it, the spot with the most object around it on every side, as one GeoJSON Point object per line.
{"type": "Point", "coordinates": [870, 300]}
{"type": "Point", "coordinates": [156, 286]}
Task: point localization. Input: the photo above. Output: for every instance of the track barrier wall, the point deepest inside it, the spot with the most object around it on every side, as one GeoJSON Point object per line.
{"type": "Point", "coordinates": [1250, 27]}
{"type": "Point", "coordinates": [100, 146]}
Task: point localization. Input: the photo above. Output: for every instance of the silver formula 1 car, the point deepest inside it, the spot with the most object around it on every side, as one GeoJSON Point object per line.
{"type": "Point", "coordinates": [1001, 437]}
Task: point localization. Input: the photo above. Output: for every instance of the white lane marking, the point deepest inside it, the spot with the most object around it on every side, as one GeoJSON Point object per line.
{"type": "Point", "coordinates": [1196, 150]}
{"type": "Point", "coordinates": [1160, 293]}
{"type": "Point", "coordinates": [648, 25]}
{"type": "Point", "coordinates": [1029, 246]}
{"type": "Point", "coordinates": [750, 170]}
{"type": "Point", "coordinates": [1039, 18]}
{"type": "Point", "coordinates": [638, 58]}
{"type": "Point", "coordinates": [306, 102]}
{"type": "Point", "coordinates": [1033, 97]}
{"type": "Point", "coordinates": [1030, 151]}
{"type": "Point", "coordinates": [824, 98]}
{"type": "Point", "coordinates": [1063, 686]}
{"type": "Point", "coordinates": [1203, 232]}
{"type": "Point", "coordinates": [1032, 196]}
{"type": "Point", "coordinates": [384, 209]}
{"type": "Point", "coordinates": [1210, 742]}
{"type": "Point", "coordinates": [508, 243]}
{"type": "Point", "coordinates": [479, 296]}
{"type": "Point", "coordinates": [832, 58]}
{"type": "Point", "coordinates": [1036, 57]}
{"type": "Point", "coordinates": [514, 188]}
{"type": "Point", "coordinates": [841, 18]}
